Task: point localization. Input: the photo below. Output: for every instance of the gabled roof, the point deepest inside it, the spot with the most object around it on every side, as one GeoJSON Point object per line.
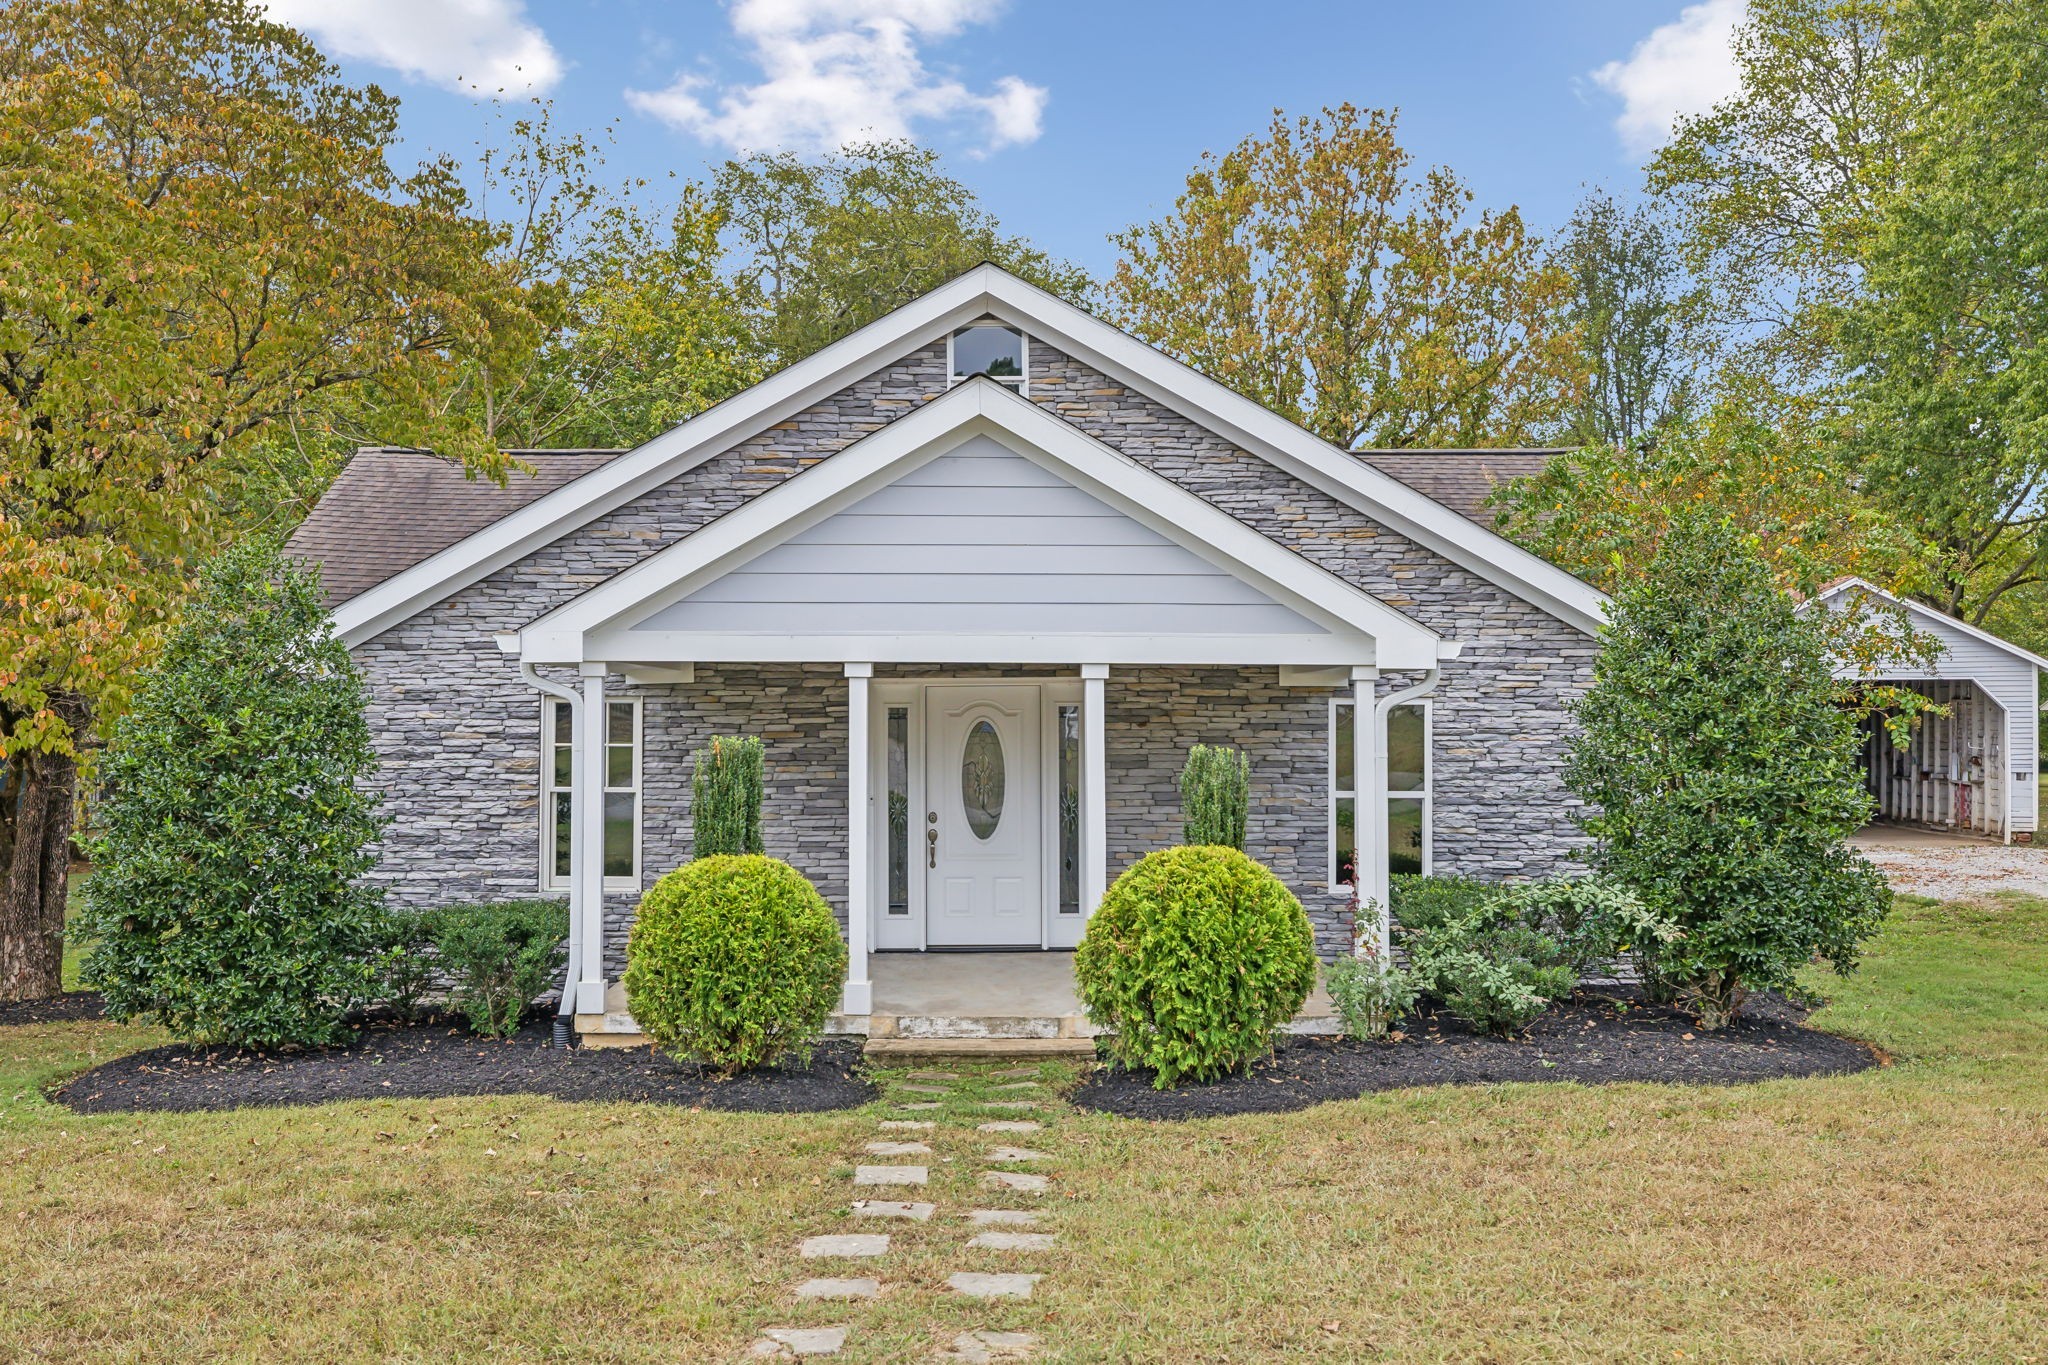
{"type": "Point", "coordinates": [986, 290]}
{"type": "Point", "coordinates": [392, 507]}
{"type": "Point", "coordinates": [1841, 587]}
{"type": "Point", "coordinates": [1342, 625]}
{"type": "Point", "coordinates": [1461, 480]}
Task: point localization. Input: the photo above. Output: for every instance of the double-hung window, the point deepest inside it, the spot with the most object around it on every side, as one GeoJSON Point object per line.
{"type": "Point", "coordinates": [1407, 831]}
{"type": "Point", "coordinates": [621, 797]}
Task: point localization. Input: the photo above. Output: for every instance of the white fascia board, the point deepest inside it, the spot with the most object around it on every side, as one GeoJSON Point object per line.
{"type": "Point", "coordinates": [673, 453]}
{"type": "Point", "coordinates": [1057, 651]}
{"type": "Point", "coordinates": [1345, 477]}
{"type": "Point", "coordinates": [973, 409]}
{"type": "Point", "coordinates": [1929, 614]}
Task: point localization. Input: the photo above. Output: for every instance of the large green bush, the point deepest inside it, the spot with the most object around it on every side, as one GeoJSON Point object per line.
{"type": "Point", "coordinates": [498, 956]}
{"type": "Point", "coordinates": [1215, 796]}
{"type": "Point", "coordinates": [1595, 921]}
{"type": "Point", "coordinates": [1421, 903]}
{"type": "Point", "coordinates": [233, 824]}
{"type": "Point", "coordinates": [735, 960]}
{"type": "Point", "coordinates": [1194, 957]}
{"type": "Point", "coordinates": [725, 797]}
{"type": "Point", "coordinates": [1492, 971]}
{"type": "Point", "coordinates": [1721, 775]}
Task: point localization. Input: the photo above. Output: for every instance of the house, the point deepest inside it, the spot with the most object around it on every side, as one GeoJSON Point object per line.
{"type": "Point", "coordinates": [978, 575]}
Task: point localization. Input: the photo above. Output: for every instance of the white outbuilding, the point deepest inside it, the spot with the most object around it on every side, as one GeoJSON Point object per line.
{"type": "Point", "coordinates": [1975, 769]}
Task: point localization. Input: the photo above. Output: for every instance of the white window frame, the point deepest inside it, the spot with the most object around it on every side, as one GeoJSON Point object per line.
{"type": "Point", "coordinates": [1425, 795]}
{"type": "Point", "coordinates": [1022, 384]}
{"type": "Point", "coordinates": [549, 881]}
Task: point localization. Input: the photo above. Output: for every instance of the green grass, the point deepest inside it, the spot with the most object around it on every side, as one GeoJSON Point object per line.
{"type": "Point", "coordinates": [1894, 1215]}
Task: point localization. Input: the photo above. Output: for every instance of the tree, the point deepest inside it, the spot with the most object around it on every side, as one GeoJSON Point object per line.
{"type": "Point", "coordinates": [1945, 344]}
{"type": "Point", "coordinates": [827, 246]}
{"type": "Point", "coordinates": [202, 230]}
{"type": "Point", "coordinates": [1721, 774]}
{"type": "Point", "coordinates": [233, 829]}
{"type": "Point", "coordinates": [1625, 300]}
{"type": "Point", "coordinates": [1309, 270]}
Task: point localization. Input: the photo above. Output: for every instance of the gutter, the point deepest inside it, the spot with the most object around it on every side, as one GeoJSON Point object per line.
{"type": "Point", "coordinates": [565, 1014]}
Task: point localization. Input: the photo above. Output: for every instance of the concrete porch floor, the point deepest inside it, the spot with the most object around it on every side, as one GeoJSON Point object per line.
{"type": "Point", "coordinates": [999, 1002]}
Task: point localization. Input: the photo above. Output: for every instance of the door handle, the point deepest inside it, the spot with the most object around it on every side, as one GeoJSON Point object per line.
{"type": "Point", "coordinates": [931, 848]}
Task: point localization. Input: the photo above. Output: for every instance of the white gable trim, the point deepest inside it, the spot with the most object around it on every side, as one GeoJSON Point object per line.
{"type": "Point", "coordinates": [1362, 629]}
{"type": "Point", "coordinates": [985, 290]}
{"type": "Point", "coordinates": [1933, 617]}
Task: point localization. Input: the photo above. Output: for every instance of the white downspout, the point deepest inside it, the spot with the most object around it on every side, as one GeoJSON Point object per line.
{"type": "Point", "coordinates": [1379, 885]}
{"type": "Point", "coordinates": [578, 807]}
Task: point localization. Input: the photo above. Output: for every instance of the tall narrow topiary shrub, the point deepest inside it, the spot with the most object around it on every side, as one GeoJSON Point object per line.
{"type": "Point", "coordinates": [233, 825]}
{"type": "Point", "coordinates": [725, 797]}
{"type": "Point", "coordinates": [1215, 793]}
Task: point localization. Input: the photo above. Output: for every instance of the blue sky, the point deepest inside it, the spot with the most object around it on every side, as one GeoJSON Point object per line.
{"type": "Point", "coordinates": [1071, 119]}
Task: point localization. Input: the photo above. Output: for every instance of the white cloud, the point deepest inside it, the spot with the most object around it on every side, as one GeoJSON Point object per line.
{"type": "Point", "coordinates": [469, 45]}
{"type": "Point", "coordinates": [844, 71]}
{"type": "Point", "coordinates": [1684, 67]}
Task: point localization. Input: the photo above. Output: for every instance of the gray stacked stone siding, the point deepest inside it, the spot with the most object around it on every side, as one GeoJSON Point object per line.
{"type": "Point", "coordinates": [459, 731]}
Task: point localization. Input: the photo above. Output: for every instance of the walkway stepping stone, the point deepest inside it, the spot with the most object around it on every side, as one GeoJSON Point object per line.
{"type": "Point", "coordinates": [844, 1244]}
{"type": "Point", "coordinates": [893, 1208]}
{"type": "Point", "coordinates": [1008, 1104]}
{"type": "Point", "coordinates": [1010, 1073]}
{"type": "Point", "coordinates": [1019, 1085]}
{"type": "Point", "coordinates": [1015, 1180]}
{"type": "Point", "coordinates": [1005, 1126]}
{"type": "Point", "coordinates": [933, 1075]}
{"type": "Point", "coordinates": [984, 1348]}
{"type": "Point", "coordinates": [788, 1343]}
{"type": "Point", "coordinates": [992, 1286]}
{"type": "Point", "coordinates": [898, 1149]}
{"type": "Point", "coordinates": [912, 1125]}
{"type": "Point", "coordinates": [890, 1175]}
{"type": "Point", "coordinates": [914, 1108]}
{"type": "Point", "coordinates": [860, 1287]}
{"type": "Point", "coordinates": [1014, 1218]}
{"type": "Point", "coordinates": [1011, 1154]}
{"type": "Point", "coordinates": [1014, 1241]}
{"type": "Point", "coordinates": [923, 1089]}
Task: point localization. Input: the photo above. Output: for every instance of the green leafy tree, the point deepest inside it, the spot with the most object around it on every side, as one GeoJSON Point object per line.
{"type": "Point", "coordinates": [1722, 776]}
{"type": "Point", "coordinates": [1626, 304]}
{"type": "Point", "coordinates": [233, 830]}
{"type": "Point", "coordinates": [1311, 270]}
{"type": "Point", "coordinates": [823, 247]}
{"type": "Point", "coordinates": [203, 228]}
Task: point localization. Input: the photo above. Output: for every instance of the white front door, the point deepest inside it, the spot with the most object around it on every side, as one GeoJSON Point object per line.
{"type": "Point", "coordinates": [981, 833]}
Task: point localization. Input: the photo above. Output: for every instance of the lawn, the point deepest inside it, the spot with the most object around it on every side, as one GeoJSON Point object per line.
{"type": "Point", "coordinates": [1899, 1214]}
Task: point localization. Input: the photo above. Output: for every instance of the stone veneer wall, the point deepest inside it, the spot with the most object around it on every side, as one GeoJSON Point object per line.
{"type": "Point", "coordinates": [458, 731]}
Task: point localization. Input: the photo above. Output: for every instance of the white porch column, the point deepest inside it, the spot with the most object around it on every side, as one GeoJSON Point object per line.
{"type": "Point", "coordinates": [1094, 787]}
{"type": "Point", "coordinates": [859, 995]}
{"type": "Point", "coordinates": [586, 829]}
{"type": "Point", "coordinates": [1369, 817]}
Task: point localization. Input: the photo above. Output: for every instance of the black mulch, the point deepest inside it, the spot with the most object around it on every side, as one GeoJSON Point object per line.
{"type": "Point", "coordinates": [1591, 1042]}
{"type": "Point", "coordinates": [53, 1009]}
{"type": "Point", "coordinates": [442, 1060]}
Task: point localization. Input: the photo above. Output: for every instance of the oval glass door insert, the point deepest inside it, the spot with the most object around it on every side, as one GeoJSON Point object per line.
{"type": "Point", "coordinates": [981, 779]}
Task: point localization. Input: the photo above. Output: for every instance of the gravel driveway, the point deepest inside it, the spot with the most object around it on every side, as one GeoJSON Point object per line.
{"type": "Point", "coordinates": [1947, 866]}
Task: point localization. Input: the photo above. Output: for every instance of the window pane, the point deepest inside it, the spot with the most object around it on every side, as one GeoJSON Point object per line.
{"type": "Point", "coordinates": [897, 743]}
{"type": "Point", "coordinates": [564, 765]}
{"type": "Point", "coordinates": [1342, 779]}
{"type": "Point", "coordinates": [621, 725]}
{"type": "Point", "coordinates": [982, 779]}
{"type": "Point", "coordinates": [994, 351]}
{"type": "Point", "coordinates": [1404, 835]}
{"type": "Point", "coordinates": [618, 765]}
{"type": "Point", "coordinates": [1405, 749]}
{"type": "Point", "coordinates": [1347, 842]}
{"type": "Point", "coordinates": [618, 834]}
{"type": "Point", "coordinates": [1070, 809]}
{"type": "Point", "coordinates": [561, 835]}
{"type": "Point", "coordinates": [565, 723]}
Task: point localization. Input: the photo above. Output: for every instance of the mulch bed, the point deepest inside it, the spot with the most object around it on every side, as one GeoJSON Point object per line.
{"type": "Point", "coordinates": [54, 1009]}
{"type": "Point", "coordinates": [1588, 1041]}
{"type": "Point", "coordinates": [442, 1060]}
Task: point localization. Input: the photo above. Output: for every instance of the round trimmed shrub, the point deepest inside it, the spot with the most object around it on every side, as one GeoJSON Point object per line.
{"type": "Point", "coordinates": [735, 960]}
{"type": "Point", "coordinates": [1192, 960]}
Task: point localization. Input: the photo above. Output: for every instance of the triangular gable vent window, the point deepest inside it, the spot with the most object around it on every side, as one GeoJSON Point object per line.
{"type": "Point", "coordinates": [1001, 353]}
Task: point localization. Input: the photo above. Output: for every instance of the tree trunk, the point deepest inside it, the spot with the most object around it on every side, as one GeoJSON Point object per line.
{"type": "Point", "coordinates": [38, 794]}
